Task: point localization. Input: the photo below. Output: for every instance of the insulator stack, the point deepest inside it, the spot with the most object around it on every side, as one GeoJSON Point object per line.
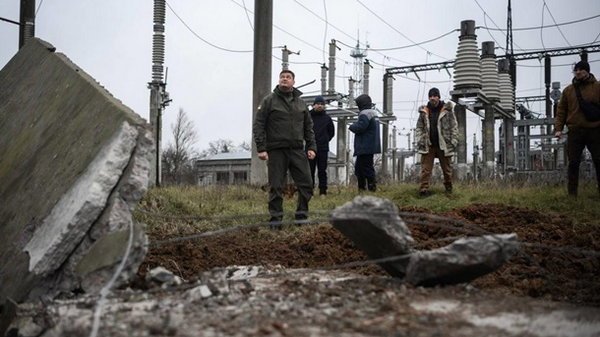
{"type": "Point", "coordinates": [507, 91]}
{"type": "Point", "coordinates": [467, 68]}
{"type": "Point", "coordinates": [489, 72]}
{"type": "Point", "coordinates": [158, 41]}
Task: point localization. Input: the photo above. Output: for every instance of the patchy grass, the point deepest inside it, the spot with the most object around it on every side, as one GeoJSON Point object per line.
{"type": "Point", "coordinates": [179, 210]}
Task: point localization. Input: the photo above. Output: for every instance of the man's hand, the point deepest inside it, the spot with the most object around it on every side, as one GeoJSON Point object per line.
{"type": "Point", "coordinates": [311, 154]}
{"type": "Point", "coordinates": [558, 134]}
{"type": "Point", "coordinates": [263, 155]}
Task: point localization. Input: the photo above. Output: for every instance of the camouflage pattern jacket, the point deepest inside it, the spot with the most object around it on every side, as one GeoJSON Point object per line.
{"type": "Point", "coordinates": [447, 130]}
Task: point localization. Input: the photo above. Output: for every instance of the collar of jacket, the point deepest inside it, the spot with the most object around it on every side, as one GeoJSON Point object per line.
{"type": "Point", "coordinates": [295, 92]}
{"type": "Point", "coordinates": [445, 107]}
{"type": "Point", "coordinates": [589, 79]}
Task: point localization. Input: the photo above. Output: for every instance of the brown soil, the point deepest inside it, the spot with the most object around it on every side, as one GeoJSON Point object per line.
{"type": "Point", "coordinates": [570, 274]}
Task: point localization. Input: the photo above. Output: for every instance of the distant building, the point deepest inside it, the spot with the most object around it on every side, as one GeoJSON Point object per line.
{"type": "Point", "coordinates": [233, 168]}
{"type": "Point", "coordinates": [229, 168]}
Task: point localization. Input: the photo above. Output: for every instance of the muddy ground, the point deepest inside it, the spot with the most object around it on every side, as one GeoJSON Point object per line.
{"type": "Point", "coordinates": [258, 282]}
{"type": "Point", "coordinates": [569, 274]}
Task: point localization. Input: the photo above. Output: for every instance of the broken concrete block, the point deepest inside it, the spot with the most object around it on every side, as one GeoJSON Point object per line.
{"type": "Point", "coordinates": [375, 227]}
{"type": "Point", "coordinates": [75, 161]}
{"type": "Point", "coordinates": [373, 224]}
{"type": "Point", "coordinates": [462, 261]}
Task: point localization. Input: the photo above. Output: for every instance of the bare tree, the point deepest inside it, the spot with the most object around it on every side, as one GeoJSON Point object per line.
{"type": "Point", "coordinates": [220, 146]}
{"type": "Point", "coordinates": [178, 167]}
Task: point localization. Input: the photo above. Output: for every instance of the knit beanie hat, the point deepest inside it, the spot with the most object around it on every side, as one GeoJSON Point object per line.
{"type": "Point", "coordinates": [319, 99]}
{"type": "Point", "coordinates": [434, 92]}
{"type": "Point", "coordinates": [582, 65]}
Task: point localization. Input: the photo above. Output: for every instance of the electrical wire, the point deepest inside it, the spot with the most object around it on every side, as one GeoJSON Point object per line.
{"type": "Point", "coordinates": [557, 26]}
{"type": "Point", "coordinates": [38, 7]}
{"type": "Point", "coordinates": [325, 33]}
{"type": "Point", "coordinates": [417, 44]}
{"type": "Point", "coordinates": [294, 36]}
{"type": "Point", "coordinates": [247, 15]}
{"type": "Point", "coordinates": [202, 39]}
{"type": "Point", "coordinates": [547, 26]}
{"type": "Point", "coordinates": [542, 30]}
{"type": "Point", "coordinates": [485, 14]}
{"type": "Point", "coordinates": [105, 291]}
{"type": "Point", "coordinates": [398, 31]}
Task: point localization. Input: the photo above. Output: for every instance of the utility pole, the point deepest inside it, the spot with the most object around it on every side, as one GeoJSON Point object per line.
{"type": "Point", "coordinates": [27, 21]}
{"type": "Point", "coordinates": [261, 78]}
{"type": "Point", "coordinates": [159, 97]}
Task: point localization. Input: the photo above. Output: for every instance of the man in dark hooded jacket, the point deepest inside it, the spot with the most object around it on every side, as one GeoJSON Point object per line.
{"type": "Point", "coordinates": [324, 132]}
{"type": "Point", "coordinates": [366, 143]}
{"type": "Point", "coordinates": [282, 129]}
{"type": "Point", "coordinates": [582, 132]}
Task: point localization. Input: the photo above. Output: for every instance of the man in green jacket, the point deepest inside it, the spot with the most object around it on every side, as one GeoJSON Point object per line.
{"type": "Point", "coordinates": [282, 128]}
{"type": "Point", "coordinates": [582, 132]}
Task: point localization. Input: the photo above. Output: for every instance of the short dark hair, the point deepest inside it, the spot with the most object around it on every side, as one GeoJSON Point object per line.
{"type": "Point", "coordinates": [289, 72]}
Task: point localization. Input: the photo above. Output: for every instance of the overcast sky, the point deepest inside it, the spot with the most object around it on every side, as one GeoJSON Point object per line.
{"type": "Point", "coordinates": [212, 79]}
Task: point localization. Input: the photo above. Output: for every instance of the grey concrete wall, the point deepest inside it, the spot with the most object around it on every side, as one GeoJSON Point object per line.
{"type": "Point", "coordinates": [74, 161]}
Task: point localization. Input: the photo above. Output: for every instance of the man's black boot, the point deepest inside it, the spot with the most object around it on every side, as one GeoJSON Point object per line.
{"type": "Point", "coordinates": [372, 184]}
{"type": "Point", "coordinates": [275, 223]}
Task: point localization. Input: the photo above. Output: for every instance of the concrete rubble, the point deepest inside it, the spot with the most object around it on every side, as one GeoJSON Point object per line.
{"type": "Point", "coordinates": [274, 301]}
{"type": "Point", "coordinates": [374, 226]}
{"type": "Point", "coordinates": [75, 162]}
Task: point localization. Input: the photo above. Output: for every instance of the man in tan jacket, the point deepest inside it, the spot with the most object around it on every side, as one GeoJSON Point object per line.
{"type": "Point", "coordinates": [582, 132]}
{"type": "Point", "coordinates": [437, 137]}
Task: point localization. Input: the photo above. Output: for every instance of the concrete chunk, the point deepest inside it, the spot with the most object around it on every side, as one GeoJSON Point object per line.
{"type": "Point", "coordinates": [462, 261]}
{"type": "Point", "coordinates": [375, 227]}
{"type": "Point", "coordinates": [79, 207]}
{"type": "Point", "coordinates": [74, 161]}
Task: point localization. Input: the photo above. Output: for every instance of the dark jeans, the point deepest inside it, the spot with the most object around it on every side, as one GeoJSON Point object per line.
{"type": "Point", "coordinates": [577, 141]}
{"type": "Point", "coordinates": [280, 160]}
{"type": "Point", "coordinates": [320, 162]}
{"type": "Point", "coordinates": [365, 171]}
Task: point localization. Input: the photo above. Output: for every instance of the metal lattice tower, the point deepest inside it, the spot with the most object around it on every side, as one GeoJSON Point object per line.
{"type": "Point", "coordinates": [358, 55]}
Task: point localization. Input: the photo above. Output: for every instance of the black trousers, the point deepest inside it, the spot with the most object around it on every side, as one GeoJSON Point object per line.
{"type": "Point", "coordinates": [577, 141]}
{"type": "Point", "coordinates": [296, 161]}
{"type": "Point", "coordinates": [320, 163]}
{"type": "Point", "coordinates": [365, 171]}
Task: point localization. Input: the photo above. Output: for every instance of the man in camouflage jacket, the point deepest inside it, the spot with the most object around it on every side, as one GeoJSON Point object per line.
{"type": "Point", "coordinates": [437, 137]}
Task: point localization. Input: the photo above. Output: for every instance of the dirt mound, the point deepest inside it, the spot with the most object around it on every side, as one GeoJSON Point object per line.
{"type": "Point", "coordinates": [567, 275]}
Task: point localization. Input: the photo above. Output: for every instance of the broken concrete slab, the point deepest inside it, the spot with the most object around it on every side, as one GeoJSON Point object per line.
{"type": "Point", "coordinates": [74, 162]}
{"type": "Point", "coordinates": [374, 226]}
{"type": "Point", "coordinates": [464, 260]}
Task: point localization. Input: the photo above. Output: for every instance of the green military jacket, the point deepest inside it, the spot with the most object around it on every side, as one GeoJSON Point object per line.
{"type": "Point", "coordinates": [283, 122]}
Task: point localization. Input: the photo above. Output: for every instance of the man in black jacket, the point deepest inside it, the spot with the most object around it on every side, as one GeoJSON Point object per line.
{"type": "Point", "coordinates": [281, 129]}
{"type": "Point", "coordinates": [324, 132]}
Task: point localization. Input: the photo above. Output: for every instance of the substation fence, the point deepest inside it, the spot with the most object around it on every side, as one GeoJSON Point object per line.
{"type": "Point", "coordinates": [324, 216]}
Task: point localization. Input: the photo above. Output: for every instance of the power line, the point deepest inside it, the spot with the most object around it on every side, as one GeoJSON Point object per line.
{"type": "Point", "coordinates": [325, 20]}
{"type": "Point", "coordinates": [547, 26]}
{"type": "Point", "coordinates": [410, 45]}
{"type": "Point", "coordinates": [396, 30]}
{"type": "Point", "coordinates": [485, 14]}
{"type": "Point", "coordinates": [247, 16]}
{"type": "Point", "coordinates": [38, 8]}
{"type": "Point", "coordinates": [203, 40]}
{"type": "Point", "coordinates": [325, 33]}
